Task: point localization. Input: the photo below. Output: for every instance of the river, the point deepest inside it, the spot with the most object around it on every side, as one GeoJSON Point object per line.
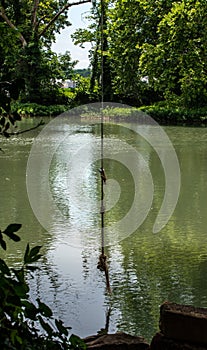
{"type": "Point", "coordinates": [145, 268]}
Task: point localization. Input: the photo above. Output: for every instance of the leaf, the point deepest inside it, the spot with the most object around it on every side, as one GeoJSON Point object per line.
{"type": "Point", "coordinates": [14, 300]}
{"type": "Point", "coordinates": [35, 258]}
{"type": "Point", "coordinates": [26, 254]}
{"type": "Point", "coordinates": [3, 243]}
{"type": "Point", "coordinates": [61, 328]}
{"type": "Point", "coordinates": [34, 251]}
{"type": "Point", "coordinates": [32, 255]}
{"type": "Point", "coordinates": [44, 309]}
{"type": "Point", "coordinates": [46, 326]}
{"type": "Point", "coordinates": [31, 268]}
{"type": "Point", "coordinates": [14, 237]}
{"type": "Point", "coordinates": [4, 268]}
{"type": "Point", "coordinates": [12, 228]}
{"type": "Point", "coordinates": [77, 343]}
{"type": "Point", "coordinates": [22, 290]}
{"type": "Point", "coordinates": [30, 310]}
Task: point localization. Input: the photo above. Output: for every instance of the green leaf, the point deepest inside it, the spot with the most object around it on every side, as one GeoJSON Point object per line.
{"type": "Point", "coordinates": [32, 255]}
{"type": "Point", "coordinates": [30, 310]}
{"type": "Point", "coordinates": [44, 309]}
{"type": "Point", "coordinates": [35, 258]}
{"type": "Point", "coordinates": [12, 228]}
{"type": "Point", "coordinates": [46, 326]}
{"type": "Point", "coordinates": [3, 243]}
{"type": "Point", "coordinates": [77, 343]}
{"type": "Point", "coordinates": [61, 328]}
{"type": "Point", "coordinates": [34, 251]}
{"type": "Point", "coordinates": [26, 254]}
{"type": "Point", "coordinates": [19, 274]}
{"type": "Point", "coordinates": [14, 300]}
{"type": "Point", "coordinates": [14, 237]}
{"type": "Point", "coordinates": [22, 290]}
{"type": "Point", "coordinates": [31, 268]}
{"type": "Point", "coordinates": [4, 268]}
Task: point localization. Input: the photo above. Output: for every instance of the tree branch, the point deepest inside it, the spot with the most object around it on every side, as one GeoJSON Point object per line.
{"type": "Point", "coordinates": [11, 25]}
{"type": "Point", "coordinates": [34, 13]}
{"type": "Point", "coordinates": [60, 12]}
{"type": "Point", "coordinates": [8, 134]}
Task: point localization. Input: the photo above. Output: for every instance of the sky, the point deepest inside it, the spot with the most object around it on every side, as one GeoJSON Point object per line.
{"type": "Point", "coordinates": [64, 42]}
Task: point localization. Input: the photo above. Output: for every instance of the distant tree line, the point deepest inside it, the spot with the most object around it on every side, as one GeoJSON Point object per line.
{"type": "Point", "coordinates": [151, 51]}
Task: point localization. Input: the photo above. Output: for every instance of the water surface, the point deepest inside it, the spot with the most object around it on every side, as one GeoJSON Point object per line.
{"type": "Point", "coordinates": [145, 268]}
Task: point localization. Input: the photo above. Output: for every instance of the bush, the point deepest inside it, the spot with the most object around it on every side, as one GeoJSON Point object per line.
{"type": "Point", "coordinates": [173, 115]}
{"type": "Point", "coordinates": [34, 109]}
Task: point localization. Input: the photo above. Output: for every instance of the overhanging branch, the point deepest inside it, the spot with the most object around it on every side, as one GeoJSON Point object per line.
{"type": "Point", "coordinates": [11, 25]}
{"type": "Point", "coordinates": [64, 8]}
{"type": "Point", "coordinates": [12, 133]}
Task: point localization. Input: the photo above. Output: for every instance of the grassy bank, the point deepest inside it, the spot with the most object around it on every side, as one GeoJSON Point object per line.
{"type": "Point", "coordinates": [162, 113]}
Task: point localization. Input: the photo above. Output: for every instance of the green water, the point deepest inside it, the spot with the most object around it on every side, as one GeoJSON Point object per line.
{"type": "Point", "coordinates": [145, 268]}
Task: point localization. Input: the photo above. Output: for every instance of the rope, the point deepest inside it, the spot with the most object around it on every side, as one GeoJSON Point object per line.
{"type": "Point", "coordinates": [102, 172]}
{"type": "Point", "coordinates": [102, 263]}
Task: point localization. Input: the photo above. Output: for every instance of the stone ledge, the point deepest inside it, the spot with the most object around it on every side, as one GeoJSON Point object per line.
{"type": "Point", "coordinates": [160, 342]}
{"type": "Point", "coordinates": [117, 341]}
{"type": "Point", "coordinates": [183, 322]}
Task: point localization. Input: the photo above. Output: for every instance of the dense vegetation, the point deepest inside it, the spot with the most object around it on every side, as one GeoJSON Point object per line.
{"type": "Point", "coordinates": [155, 50]}
{"type": "Point", "coordinates": [152, 51]}
{"type": "Point", "coordinates": [29, 70]}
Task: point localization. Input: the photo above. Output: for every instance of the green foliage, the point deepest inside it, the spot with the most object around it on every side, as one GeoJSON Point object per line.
{"type": "Point", "coordinates": [167, 114]}
{"type": "Point", "coordinates": [82, 91]}
{"type": "Point", "coordinates": [156, 50]}
{"type": "Point", "coordinates": [84, 72]}
{"type": "Point", "coordinates": [34, 109]}
{"type": "Point", "coordinates": [28, 29]}
{"type": "Point", "coordinates": [9, 232]}
{"type": "Point", "coordinates": [175, 63]}
{"type": "Point", "coordinates": [96, 34]}
{"type": "Point", "coordinates": [26, 325]}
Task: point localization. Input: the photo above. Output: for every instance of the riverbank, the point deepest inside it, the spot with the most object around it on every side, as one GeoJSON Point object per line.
{"type": "Point", "coordinates": [161, 113]}
{"type": "Point", "coordinates": [181, 328]}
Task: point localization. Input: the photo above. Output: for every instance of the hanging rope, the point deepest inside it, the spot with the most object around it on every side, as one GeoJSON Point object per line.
{"type": "Point", "coordinates": [102, 263]}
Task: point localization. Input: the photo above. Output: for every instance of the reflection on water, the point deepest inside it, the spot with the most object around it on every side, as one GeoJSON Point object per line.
{"type": "Point", "coordinates": [145, 268]}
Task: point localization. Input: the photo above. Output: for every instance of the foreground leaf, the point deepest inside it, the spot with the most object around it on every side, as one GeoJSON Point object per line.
{"type": "Point", "coordinates": [77, 343]}
{"type": "Point", "coordinates": [12, 228]}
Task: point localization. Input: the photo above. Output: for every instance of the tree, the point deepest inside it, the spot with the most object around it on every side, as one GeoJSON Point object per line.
{"type": "Point", "coordinates": [97, 35]}
{"type": "Point", "coordinates": [33, 25]}
{"type": "Point", "coordinates": [66, 64]}
{"type": "Point", "coordinates": [128, 25]}
{"type": "Point", "coordinates": [155, 50]}
{"type": "Point", "coordinates": [133, 23]}
{"type": "Point", "coordinates": [176, 63]}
